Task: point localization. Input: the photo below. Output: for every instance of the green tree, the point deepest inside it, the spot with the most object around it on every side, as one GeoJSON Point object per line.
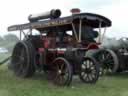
{"type": "Point", "coordinates": [1, 39]}
{"type": "Point", "coordinates": [11, 38]}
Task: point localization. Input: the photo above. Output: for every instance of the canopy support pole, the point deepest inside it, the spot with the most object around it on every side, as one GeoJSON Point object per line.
{"type": "Point", "coordinates": [80, 26]}
{"type": "Point", "coordinates": [100, 23]}
{"type": "Point", "coordinates": [104, 33]}
{"type": "Point", "coordinates": [74, 30]}
{"type": "Point", "coordinates": [25, 35]}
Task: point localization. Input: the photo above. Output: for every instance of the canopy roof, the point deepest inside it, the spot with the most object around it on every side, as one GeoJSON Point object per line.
{"type": "Point", "coordinates": [90, 19]}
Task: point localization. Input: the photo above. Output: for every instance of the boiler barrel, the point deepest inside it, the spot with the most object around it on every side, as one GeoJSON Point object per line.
{"type": "Point", "coordinates": [50, 14]}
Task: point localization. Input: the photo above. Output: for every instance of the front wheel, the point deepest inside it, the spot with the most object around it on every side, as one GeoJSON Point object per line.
{"type": "Point", "coordinates": [89, 72]}
{"type": "Point", "coordinates": [61, 72]}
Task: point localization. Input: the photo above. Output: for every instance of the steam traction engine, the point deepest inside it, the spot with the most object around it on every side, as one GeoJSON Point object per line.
{"type": "Point", "coordinates": [59, 49]}
{"type": "Point", "coordinates": [114, 56]}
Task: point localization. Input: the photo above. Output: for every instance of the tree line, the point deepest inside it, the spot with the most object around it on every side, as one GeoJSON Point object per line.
{"type": "Point", "coordinates": [8, 41]}
{"type": "Point", "coordinates": [9, 37]}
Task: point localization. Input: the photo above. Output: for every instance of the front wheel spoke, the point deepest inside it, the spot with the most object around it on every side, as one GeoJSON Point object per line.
{"type": "Point", "coordinates": [60, 74]}
{"type": "Point", "coordinates": [88, 63]}
{"type": "Point", "coordinates": [62, 66]}
{"type": "Point", "coordinates": [62, 80]}
{"type": "Point", "coordinates": [86, 66]}
{"type": "Point", "coordinates": [63, 72]}
{"type": "Point", "coordinates": [82, 73]}
{"type": "Point", "coordinates": [93, 71]}
{"type": "Point", "coordinates": [93, 76]}
{"type": "Point", "coordinates": [109, 70]}
{"type": "Point", "coordinates": [85, 75]}
{"type": "Point", "coordinates": [91, 64]}
{"type": "Point", "coordinates": [87, 78]}
{"type": "Point", "coordinates": [92, 67]}
{"type": "Point", "coordinates": [83, 70]}
{"type": "Point", "coordinates": [90, 77]}
{"type": "Point", "coordinates": [83, 66]}
{"type": "Point", "coordinates": [66, 75]}
{"type": "Point", "coordinates": [57, 66]}
{"type": "Point", "coordinates": [56, 78]}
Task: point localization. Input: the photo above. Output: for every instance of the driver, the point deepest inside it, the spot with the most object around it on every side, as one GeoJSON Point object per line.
{"type": "Point", "coordinates": [88, 34]}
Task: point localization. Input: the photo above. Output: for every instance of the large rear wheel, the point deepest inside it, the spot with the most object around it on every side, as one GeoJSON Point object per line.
{"type": "Point", "coordinates": [23, 60]}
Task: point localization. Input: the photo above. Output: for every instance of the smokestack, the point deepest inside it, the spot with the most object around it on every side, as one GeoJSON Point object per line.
{"type": "Point", "coordinates": [75, 11]}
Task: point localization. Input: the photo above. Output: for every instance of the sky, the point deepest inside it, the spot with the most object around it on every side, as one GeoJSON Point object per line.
{"type": "Point", "coordinates": [17, 11]}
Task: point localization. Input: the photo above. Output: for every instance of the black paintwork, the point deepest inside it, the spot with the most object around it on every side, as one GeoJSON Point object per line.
{"type": "Point", "coordinates": [89, 19]}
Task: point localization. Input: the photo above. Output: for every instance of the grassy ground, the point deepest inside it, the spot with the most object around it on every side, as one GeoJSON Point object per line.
{"type": "Point", "coordinates": [39, 86]}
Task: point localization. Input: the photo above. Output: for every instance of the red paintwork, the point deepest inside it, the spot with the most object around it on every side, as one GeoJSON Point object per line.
{"type": "Point", "coordinates": [41, 50]}
{"type": "Point", "coordinates": [92, 46]}
{"type": "Point", "coordinates": [60, 52]}
{"type": "Point", "coordinates": [46, 43]}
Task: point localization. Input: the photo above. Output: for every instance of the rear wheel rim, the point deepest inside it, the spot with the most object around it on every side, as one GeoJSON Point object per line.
{"type": "Point", "coordinates": [23, 60]}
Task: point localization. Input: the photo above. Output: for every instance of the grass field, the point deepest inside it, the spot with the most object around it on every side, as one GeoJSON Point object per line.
{"type": "Point", "coordinates": [38, 86]}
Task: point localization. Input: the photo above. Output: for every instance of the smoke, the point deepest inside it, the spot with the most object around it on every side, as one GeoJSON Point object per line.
{"type": "Point", "coordinates": [113, 43]}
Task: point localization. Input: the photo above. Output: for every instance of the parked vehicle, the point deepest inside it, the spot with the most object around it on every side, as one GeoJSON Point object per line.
{"type": "Point", "coordinates": [3, 50]}
{"type": "Point", "coordinates": [59, 54]}
{"type": "Point", "coordinates": [113, 56]}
